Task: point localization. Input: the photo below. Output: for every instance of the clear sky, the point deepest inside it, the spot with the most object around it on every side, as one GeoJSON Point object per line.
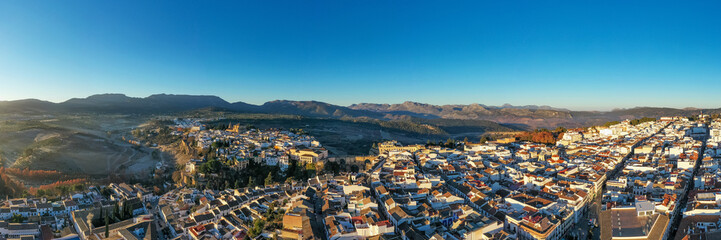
{"type": "Point", "coordinates": [585, 55]}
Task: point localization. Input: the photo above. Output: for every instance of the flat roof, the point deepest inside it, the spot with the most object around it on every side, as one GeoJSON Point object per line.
{"type": "Point", "coordinates": [626, 223]}
{"type": "Point", "coordinates": [645, 206]}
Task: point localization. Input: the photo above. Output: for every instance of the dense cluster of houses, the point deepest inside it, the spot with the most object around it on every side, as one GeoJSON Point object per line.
{"type": "Point", "coordinates": [623, 181]}
{"type": "Point", "coordinates": [483, 191]}
{"type": "Point", "coordinates": [701, 217]}
{"type": "Point", "coordinates": [519, 190]}
{"type": "Point", "coordinates": [192, 214]}
{"type": "Point", "coordinates": [532, 191]}
{"type": "Point", "coordinates": [71, 216]}
{"type": "Point", "coordinates": [269, 147]}
{"type": "Point", "coordinates": [642, 200]}
{"type": "Point", "coordinates": [627, 179]}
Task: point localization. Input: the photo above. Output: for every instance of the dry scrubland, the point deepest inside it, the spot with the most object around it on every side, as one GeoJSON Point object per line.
{"type": "Point", "coordinates": [90, 145]}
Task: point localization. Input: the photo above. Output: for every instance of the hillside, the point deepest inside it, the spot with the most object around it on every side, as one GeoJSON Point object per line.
{"type": "Point", "coordinates": [89, 145]}
{"type": "Point", "coordinates": [27, 106]}
{"type": "Point", "coordinates": [350, 135]}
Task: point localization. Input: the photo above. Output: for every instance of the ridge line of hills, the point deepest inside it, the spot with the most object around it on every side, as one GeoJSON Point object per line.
{"type": "Point", "coordinates": [529, 116]}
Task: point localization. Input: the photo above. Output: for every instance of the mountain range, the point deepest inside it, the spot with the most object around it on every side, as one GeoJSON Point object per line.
{"type": "Point", "coordinates": [527, 117]}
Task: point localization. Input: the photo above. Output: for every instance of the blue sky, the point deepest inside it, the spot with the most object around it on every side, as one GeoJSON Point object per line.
{"type": "Point", "coordinates": [586, 55]}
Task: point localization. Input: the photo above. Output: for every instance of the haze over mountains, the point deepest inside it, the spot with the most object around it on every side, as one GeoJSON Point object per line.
{"type": "Point", "coordinates": [530, 116]}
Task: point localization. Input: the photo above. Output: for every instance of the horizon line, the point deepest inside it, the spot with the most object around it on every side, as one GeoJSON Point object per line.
{"type": "Point", "coordinates": [453, 104]}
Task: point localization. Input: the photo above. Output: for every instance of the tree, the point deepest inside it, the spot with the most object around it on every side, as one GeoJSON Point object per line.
{"type": "Point", "coordinates": [310, 166]}
{"type": "Point", "coordinates": [538, 136]}
{"type": "Point", "coordinates": [102, 214]}
{"type": "Point", "coordinates": [17, 218]}
{"type": "Point", "coordinates": [333, 167]}
{"type": "Point", "coordinates": [124, 211]}
{"type": "Point", "coordinates": [63, 190]}
{"type": "Point", "coordinates": [107, 227]}
{"type": "Point", "coordinates": [106, 192]}
{"type": "Point", "coordinates": [310, 170]}
{"type": "Point", "coordinates": [177, 177]}
{"type": "Point", "coordinates": [116, 210]}
{"type": "Point", "coordinates": [212, 166]}
{"type": "Point", "coordinates": [646, 119]}
{"type": "Point", "coordinates": [257, 228]}
{"type": "Point", "coordinates": [611, 123]}
{"type": "Point", "coordinates": [367, 164]}
{"type": "Point", "coordinates": [269, 179]}
{"type": "Point", "coordinates": [129, 210]}
{"type": "Point", "coordinates": [450, 143]}
{"type": "Point", "coordinates": [251, 182]}
{"type": "Point", "coordinates": [543, 137]}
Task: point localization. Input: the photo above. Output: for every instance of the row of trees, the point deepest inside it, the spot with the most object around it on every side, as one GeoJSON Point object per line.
{"type": "Point", "coordinates": [340, 166]}
{"type": "Point", "coordinates": [642, 120]}
{"type": "Point", "coordinates": [209, 167]}
{"type": "Point", "coordinates": [220, 144]}
{"type": "Point", "coordinates": [298, 131]}
{"type": "Point", "coordinates": [59, 187]}
{"type": "Point", "coordinates": [450, 143]}
{"type": "Point", "coordinates": [118, 214]}
{"type": "Point", "coordinates": [10, 187]}
{"type": "Point", "coordinates": [13, 188]}
{"type": "Point", "coordinates": [36, 175]}
{"type": "Point", "coordinates": [611, 123]}
{"type": "Point", "coordinates": [542, 135]}
{"type": "Point", "coordinates": [632, 122]}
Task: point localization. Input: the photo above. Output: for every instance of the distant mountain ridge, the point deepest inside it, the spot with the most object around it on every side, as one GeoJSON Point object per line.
{"type": "Point", "coordinates": [158, 102]}
{"type": "Point", "coordinates": [529, 116]}
{"type": "Point", "coordinates": [120, 103]}
{"type": "Point", "coordinates": [315, 109]}
{"type": "Point", "coordinates": [471, 111]}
